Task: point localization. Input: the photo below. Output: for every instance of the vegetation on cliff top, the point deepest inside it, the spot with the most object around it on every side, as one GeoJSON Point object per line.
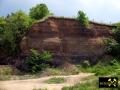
{"type": "Point", "coordinates": [83, 19]}
{"type": "Point", "coordinates": [39, 11]}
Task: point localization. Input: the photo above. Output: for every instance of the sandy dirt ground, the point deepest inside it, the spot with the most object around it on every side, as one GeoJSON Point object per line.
{"type": "Point", "coordinates": [29, 84]}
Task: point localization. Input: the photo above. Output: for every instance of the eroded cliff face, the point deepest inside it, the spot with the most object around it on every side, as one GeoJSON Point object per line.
{"type": "Point", "coordinates": [66, 36]}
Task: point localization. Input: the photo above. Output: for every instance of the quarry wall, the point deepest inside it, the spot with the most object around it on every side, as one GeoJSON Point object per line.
{"type": "Point", "coordinates": [65, 36]}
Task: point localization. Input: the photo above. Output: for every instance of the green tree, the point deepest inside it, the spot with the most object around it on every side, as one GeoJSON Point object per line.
{"type": "Point", "coordinates": [113, 45]}
{"type": "Point", "coordinates": [18, 22]}
{"type": "Point", "coordinates": [2, 24]}
{"type": "Point", "coordinates": [16, 25]}
{"type": "Point", "coordinates": [83, 19]}
{"type": "Point", "coordinates": [113, 48]}
{"type": "Point", "coordinates": [116, 34]}
{"type": "Point", "coordinates": [39, 11]}
{"type": "Point", "coordinates": [2, 28]}
{"type": "Point", "coordinates": [36, 62]}
{"type": "Point", "coordinates": [9, 42]}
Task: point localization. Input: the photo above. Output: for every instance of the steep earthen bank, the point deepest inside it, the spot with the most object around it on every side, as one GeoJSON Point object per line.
{"type": "Point", "coordinates": [65, 36]}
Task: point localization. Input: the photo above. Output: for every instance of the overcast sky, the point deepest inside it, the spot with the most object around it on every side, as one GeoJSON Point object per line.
{"type": "Point", "coordinates": [98, 10]}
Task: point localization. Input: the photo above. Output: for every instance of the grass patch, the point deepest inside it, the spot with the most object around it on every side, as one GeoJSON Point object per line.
{"type": "Point", "coordinates": [40, 89]}
{"type": "Point", "coordinates": [101, 69]}
{"type": "Point", "coordinates": [88, 86]}
{"type": "Point", "coordinates": [89, 78]}
{"type": "Point", "coordinates": [5, 77]}
{"type": "Point", "coordinates": [9, 73]}
{"type": "Point", "coordinates": [51, 71]}
{"type": "Point", "coordinates": [55, 80]}
{"type": "Point", "coordinates": [6, 70]}
{"type": "Point", "coordinates": [58, 71]}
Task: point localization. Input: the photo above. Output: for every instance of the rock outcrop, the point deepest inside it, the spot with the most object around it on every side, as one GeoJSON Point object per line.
{"type": "Point", "coordinates": [65, 36]}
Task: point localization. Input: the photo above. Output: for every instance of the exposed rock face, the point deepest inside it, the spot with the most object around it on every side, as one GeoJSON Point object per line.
{"type": "Point", "coordinates": [66, 36]}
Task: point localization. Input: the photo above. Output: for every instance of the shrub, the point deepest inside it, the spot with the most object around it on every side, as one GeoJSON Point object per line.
{"type": "Point", "coordinates": [37, 62]}
{"type": "Point", "coordinates": [83, 19]}
{"type": "Point", "coordinates": [46, 56]}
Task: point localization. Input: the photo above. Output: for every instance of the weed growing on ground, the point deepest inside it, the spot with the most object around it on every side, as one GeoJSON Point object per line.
{"type": "Point", "coordinates": [55, 80]}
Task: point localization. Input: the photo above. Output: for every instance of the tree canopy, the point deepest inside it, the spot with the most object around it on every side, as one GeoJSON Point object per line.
{"type": "Point", "coordinates": [114, 43]}
{"type": "Point", "coordinates": [13, 28]}
{"type": "Point", "coordinates": [39, 11]}
{"type": "Point", "coordinates": [2, 24]}
{"type": "Point", "coordinates": [15, 25]}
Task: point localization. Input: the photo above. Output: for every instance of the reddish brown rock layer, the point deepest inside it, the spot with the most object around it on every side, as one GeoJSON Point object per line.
{"type": "Point", "coordinates": [66, 36]}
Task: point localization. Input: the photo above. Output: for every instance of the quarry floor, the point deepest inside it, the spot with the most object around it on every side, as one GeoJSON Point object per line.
{"type": "Point", "coordinates": [31, 84]}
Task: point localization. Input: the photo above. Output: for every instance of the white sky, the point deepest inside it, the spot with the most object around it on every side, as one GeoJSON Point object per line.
{"type": "Point", "coordinates": [100, 10]}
